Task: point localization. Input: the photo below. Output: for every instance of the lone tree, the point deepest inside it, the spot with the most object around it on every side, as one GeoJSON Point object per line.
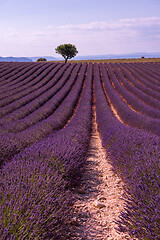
{"type": "Point", "coordinates": [67, 51]}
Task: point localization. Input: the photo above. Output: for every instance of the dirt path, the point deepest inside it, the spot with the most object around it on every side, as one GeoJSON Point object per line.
{"type": "Point", "coordinates": [98, 198]}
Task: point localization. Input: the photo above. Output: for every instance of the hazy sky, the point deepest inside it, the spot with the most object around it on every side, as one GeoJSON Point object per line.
{"type": "Point", "coordinates": [37, 27]}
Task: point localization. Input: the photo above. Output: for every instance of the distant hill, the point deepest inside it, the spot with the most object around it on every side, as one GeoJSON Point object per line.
{"type": "Point", "coordinates": [49, 58]}
{"type": "Point", "coordinates": [118, 56]}
{"type": "Point", "coordinates": [15, 59]}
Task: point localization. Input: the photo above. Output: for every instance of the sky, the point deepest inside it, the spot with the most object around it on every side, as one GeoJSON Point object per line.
{"type": "Point", "coordinates": [30, 28]}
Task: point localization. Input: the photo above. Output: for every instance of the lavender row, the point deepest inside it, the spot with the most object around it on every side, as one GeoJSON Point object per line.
{"type": "Point", "coordinates": [39, 178]}
{"type": "Point", "coordinates": [149, 71]}
{"type": "Point", "coordinates": [128, 116]}
{"type": "Point", "coordinates": [127, 81]}
{"type": "Point", "coordinates": [12, 143]}
{"type": "Point", "coordinates": [9, 78]}
{"type": "Point", "coordinates": [153, 96]}
{"type": "Point", "coordinates": [33, 93]}
{"type": "Point", "coordinates": [9, 70]}
{"type": "Point", "coordinates": [154, 67]}
{"type": "Point", "coordinates": [9, 67]}
{"type": "Point", "coordinates": [21, 78]}
{"type": "Point", "coordinates": [27, 80]}
{"type": "Point", "coordinates": [132, 100]}
{"type": "Point", "coordinates": [141, 79]}
{"type": "Point", "coordinates": [46, 110]}
{"type": "Point", "coordinates": [65, 111]}
{"type": "Point", "coordinates": [70, 144]}
{"type": "Point", "coordinates": [41, 80]}
{"type": "Point", "coordinates": [134, 155]}
{"type": "Point", "coordinates": [28, 104]}
{"type": "Point", "coordinates": [151, 68]}
{"type": "Point", "coordinates": [145, 75]}
{"type": "Point", "coordinates": [3, 67]}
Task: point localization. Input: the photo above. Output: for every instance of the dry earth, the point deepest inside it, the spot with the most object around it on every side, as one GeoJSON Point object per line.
{"type": "Point", "coordinates": [99, 200]}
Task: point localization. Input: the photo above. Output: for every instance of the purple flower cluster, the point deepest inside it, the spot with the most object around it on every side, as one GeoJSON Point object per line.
{"type": "Point", "coordinates": [34, 203]}
{"type": "Point", "coordinates": [134, 155]}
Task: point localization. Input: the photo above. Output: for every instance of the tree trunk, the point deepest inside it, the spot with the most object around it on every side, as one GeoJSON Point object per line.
{"type": "Point", "coordinates": [66, 58]}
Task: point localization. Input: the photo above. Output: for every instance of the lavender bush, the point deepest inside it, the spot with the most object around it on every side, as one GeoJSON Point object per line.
{"type": "Point", "coordinates": [34, 203]}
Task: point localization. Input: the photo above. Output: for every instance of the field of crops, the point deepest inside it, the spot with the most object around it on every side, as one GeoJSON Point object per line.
{"type": "Point", "coordinates": [45, 129]}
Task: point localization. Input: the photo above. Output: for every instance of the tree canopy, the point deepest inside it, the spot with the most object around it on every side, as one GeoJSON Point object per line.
{"type": "Point", "coordinates": [67, 51]}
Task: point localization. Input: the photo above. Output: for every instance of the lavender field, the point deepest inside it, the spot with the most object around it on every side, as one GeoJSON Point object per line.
{"type": "Point", "coordinates": [46, 114]}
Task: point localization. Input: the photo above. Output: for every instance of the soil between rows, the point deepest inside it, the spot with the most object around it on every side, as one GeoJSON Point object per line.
{"type": "Point", "coordinates": [99, 197]}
